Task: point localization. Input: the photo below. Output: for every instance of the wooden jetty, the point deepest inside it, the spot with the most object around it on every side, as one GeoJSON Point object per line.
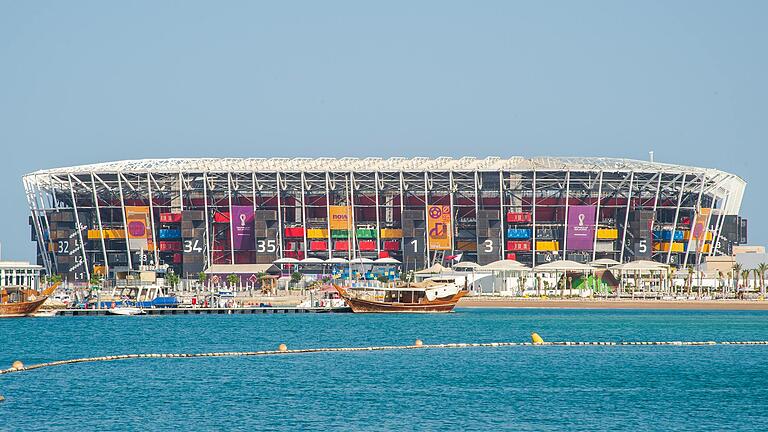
{"type": "Point", "coordinates": [211, 311]}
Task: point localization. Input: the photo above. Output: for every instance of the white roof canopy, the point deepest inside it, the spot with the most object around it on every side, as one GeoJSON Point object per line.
{"type": "Point", "coordinates": [505, 265]}
{"type": "Point", "coordinates": [562, 266]}
{"type": "Point", "coordinates": [641, 266]}
{"type": "Point", "coordinates": [242, 269]}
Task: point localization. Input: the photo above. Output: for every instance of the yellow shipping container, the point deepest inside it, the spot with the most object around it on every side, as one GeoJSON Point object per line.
{"type": "Point", "coordinates": [317, 233]}
{"type": "Point", "coordinates": [107, 233]}
{"type": "Point", "coordinates": [391, 233]}
{"type": "Point", "coordinates": [676, 247]}
{"type": "Point", "coordinates": [607, 233]}
{"type": "Point", "coordinates": [547, 245]}
{"type": "Point", "coordinates": [687, 235]}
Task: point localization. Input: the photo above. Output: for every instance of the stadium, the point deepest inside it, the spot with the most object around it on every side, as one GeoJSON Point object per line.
{"type": "Point", "coordinates": [189, 214]}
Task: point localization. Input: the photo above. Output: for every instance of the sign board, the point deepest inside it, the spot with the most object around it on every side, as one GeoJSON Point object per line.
{"type": "Point", "coordinates": [243, 237]}
{"type": "Point", "coordinates": [439, 226]}
{"type": "Point", "coordinates": [581, 227]}
{"type": "Point", "coordinates": [139, 228]}
{"type": "Point", "coordinates": [340, 217]}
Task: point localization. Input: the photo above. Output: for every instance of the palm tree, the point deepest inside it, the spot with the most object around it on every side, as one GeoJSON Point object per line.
{"type": "Point", "coordinates": [95, 282]}
{"type": "Point", "coordinates": [761, 269]}
{"type": "Point", "coordinates": [720, 282]}
{"type": "Point", "coordinates": [296, 277]}
{"type": "Point", "coordinates": [736, 273]}
{"type": "Point", "coordinates": [689, 280]}
{"type": "Point", "coordinates": [173, 280]}
{"type": "Point", "coordinates": [745, 276]}
{"type": "Point", "coordinates": [232, 280]}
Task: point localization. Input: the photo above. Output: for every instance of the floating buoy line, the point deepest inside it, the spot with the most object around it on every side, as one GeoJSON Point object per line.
{"type": "Point", "coordinates": [536, 340]}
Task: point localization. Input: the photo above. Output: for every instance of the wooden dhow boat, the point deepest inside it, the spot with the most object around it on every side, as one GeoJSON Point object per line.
{"type": "Point", "coordinates": [29, 301]}
{"type": "Point", "coordinates": [431, 296]}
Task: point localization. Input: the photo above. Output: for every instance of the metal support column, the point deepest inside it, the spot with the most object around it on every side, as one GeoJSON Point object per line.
{"type": "Point", "coordinates": [378, 216]}
{"type": "Point", "coordinates": [565, 221]}
{"type": "Point", "coordinates": [304, 212]}
{"type": "Point", "coordinates": [208, 240]}
{"type": "Point", "coordinates": [279, 216]}
{"type": "Point", "coordinates": [152, 218]}
{"type": "Point", "coordinates": [597, 216]}
{"type": "Point", "coordinates": [101, 227]}
{"type": "Point", "coordinates": [125, 221]}
{"type": "Point", "coordinates": [533, 221]}
{"type": "Point", "coordinates": [674, 225]}
{"type": "Point", "coordinates": [231, 220]}
{"type": "Point", "coordinates": [626, 217]}
{"type": "Point", "coordinates": [697, 209]}
{"type": "Point", "coordinates": [79, 228]}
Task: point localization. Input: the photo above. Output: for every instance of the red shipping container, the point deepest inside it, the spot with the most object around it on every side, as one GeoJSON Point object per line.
{"type": "Point", "coordinates": [518, 245]}
{"type": "Point", "coordinates": [170, 217]}
{"type": "Point", "coordinates": [518, 217]}
{"type": "Point", "coordinates": [391, 245]}
{"type": "Point", "coordinates": [367, 245]}
{"type": "Point", "coordinates": [221, 217]}
{"type": "Point", "coordinates": [294, 232]}
{"type": "Point", "coordinates": [318, 246]}
{"type": "Point", "coordinates": [341, 245]}
{"type": "Point", "coordinates": [511, 256]}
{"type": "Point", "coordinates": [170, 246]}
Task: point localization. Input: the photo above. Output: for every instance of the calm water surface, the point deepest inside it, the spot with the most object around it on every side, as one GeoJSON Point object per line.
{"type": "Point", "coordinates": [515, 388]}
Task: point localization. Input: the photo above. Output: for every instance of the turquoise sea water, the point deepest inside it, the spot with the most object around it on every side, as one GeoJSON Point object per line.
{"type": "Point", "coordinates": [515, 388]}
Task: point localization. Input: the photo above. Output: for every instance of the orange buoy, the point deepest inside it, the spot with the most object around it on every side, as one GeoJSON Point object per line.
{"type": "Point", "coordinates": [17, 365]}
{"type": "Point", "coordinates": [419, 343]}
{"type": "Point", "coordinates": [282, 348]}
{"type": "Point", "coordinates": [536, 339]}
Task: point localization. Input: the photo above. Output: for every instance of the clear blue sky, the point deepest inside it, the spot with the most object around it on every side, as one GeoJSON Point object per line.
{"type": "Point", "coordinates": [93, 81]}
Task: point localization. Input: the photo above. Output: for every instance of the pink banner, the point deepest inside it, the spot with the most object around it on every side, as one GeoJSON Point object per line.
{"type": "Point", "coordinates": [243, 237]}
{"type": "Point", "coordinates": [581, 227]}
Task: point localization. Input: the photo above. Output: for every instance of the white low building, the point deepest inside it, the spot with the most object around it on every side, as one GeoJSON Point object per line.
{"type": "Point", "coordinates": [20, 273]}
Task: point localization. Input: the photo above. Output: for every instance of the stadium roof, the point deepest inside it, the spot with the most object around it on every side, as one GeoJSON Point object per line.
{"type": "Point", "coordinates": [731, 183]}
{"type": "Point", "coordinates": [376, 164]}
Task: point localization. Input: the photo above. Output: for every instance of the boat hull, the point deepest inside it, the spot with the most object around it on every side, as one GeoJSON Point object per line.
{"type": "Point", "coordinates": [440, 305]}
{"type": "Point", "coordinates": [21, 309]}
{"type": "Point", "coordinates": [125, 311]}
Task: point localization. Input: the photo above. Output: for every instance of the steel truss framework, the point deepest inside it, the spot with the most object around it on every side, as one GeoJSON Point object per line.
{"type": "Point", "coordinates": [379, 190]}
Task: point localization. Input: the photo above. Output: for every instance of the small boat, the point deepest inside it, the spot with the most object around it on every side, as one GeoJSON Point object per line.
{"type": "Point", "coordinates": [30, 302]}
{"type": "Point", "coordinates": [126, 311]}
{"type": "Point", "coordinates": [432, 296]}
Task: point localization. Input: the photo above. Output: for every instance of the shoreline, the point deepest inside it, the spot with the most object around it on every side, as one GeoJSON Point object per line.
{"type": "Point", "coordinates": [537, 303]}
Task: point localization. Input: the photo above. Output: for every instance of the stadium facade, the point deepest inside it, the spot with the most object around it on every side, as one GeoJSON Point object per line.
{"type": "Point", "coordinates": [190, 213]}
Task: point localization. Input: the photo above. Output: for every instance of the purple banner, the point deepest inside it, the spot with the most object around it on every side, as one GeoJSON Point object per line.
{"type": "Point", "coordinates": [581, 227]}
{"type": "Point", "coordinates": [243, 237]}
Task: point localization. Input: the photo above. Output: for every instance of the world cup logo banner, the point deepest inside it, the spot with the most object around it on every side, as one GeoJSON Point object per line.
{"type": "Point", "coordinates": [581, 227]}
{"type": "Point", "coordinates": [243, 237]}
{"type": "Point", "coordinates": [138, 227]}
{"type": "Point", "coordinates": [439, 225]}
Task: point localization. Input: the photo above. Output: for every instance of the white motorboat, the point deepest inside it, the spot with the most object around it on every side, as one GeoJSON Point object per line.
{"type": "Point", "coordinates": [126, 311]}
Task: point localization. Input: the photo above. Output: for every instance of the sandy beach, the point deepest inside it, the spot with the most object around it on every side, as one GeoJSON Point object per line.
{"type": "Point", "coordinates": [497, 302]}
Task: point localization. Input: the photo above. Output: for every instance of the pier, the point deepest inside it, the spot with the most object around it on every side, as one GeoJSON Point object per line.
{"type": "Point", "coordinates": [211, 311]}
